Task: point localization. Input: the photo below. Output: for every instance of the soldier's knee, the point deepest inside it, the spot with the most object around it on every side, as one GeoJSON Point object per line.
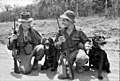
{"type": "Point", "coordinates": [82, 55]}
{"type": "Point", "coordinates": [81, 58]}
{"type": "Point", "coordinates": [38, 48]}
{"type": "Point", "coordinates": [38, 52]}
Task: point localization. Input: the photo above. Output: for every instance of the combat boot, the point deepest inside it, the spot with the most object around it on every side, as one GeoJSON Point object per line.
{"type": "Point", "coordinates": [35, 65]}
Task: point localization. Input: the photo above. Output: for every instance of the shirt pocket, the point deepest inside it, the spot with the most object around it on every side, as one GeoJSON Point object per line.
{"type": "Point", "coordinates": [28, 49]}
{"type": "Point", "coordinates": [75, 40]}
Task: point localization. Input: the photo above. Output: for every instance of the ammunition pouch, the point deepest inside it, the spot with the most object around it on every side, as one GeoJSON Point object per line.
{"type": "Point", "coordinates": [28, 49]}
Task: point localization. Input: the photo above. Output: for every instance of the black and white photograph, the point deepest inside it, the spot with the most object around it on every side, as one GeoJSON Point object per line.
{"type": "Point", "coordinates": [59, 40]}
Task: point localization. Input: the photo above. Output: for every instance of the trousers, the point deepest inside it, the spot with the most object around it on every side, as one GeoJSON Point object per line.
{"type": "Point", "coordinates": [77, 56]}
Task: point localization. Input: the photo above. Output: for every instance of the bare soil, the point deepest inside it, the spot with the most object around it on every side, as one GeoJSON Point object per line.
{"type": "Point", "coordinates": [90, 25]}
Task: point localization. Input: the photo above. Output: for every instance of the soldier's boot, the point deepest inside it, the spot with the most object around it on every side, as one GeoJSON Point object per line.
{"type": "Point", "coordinates": [35, 65]}
{"type": "Point", "coordinates": [16, 68]}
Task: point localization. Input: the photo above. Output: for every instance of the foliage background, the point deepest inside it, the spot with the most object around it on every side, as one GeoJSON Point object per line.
{"type": "Point", "coordinates": [47, 9]}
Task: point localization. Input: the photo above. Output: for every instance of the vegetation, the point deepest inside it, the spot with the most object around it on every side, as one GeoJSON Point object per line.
{"type": "Point", "coordinates": [44, 9]}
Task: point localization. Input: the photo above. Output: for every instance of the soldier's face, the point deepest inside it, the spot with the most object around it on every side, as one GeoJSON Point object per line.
{"type": "Point", "coordinates": [65, 22]}
{"type": "Point", "coordinates": [26, 25]}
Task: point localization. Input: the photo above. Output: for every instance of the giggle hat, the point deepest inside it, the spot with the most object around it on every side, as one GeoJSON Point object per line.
{"type": "Point", "coordinates": [70, 15]}
{"type": "Point", "coordinates": [25, 17]}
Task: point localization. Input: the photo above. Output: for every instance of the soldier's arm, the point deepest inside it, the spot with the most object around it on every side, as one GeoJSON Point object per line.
{"type": "Point", "coordinates": [83, 38]}
{"type": "Point", "coordinates": [38, 35]}
{"type": "Point", "coordinates": [57, 44]}
{"type": "Point", "coordinates": [10, 43]}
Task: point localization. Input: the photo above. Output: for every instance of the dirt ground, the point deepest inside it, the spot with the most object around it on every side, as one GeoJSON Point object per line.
{"type": "Point", "coordinates": [108, 28]}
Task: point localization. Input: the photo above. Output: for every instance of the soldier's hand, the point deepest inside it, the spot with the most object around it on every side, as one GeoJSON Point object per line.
{"type": "Point", "coordinates": [61, 39]}
{"type": "Point", "coordinates": [88, 45]}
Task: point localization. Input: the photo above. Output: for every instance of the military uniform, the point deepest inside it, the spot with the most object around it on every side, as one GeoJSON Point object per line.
{"type": "Point", "coordinates": [74, 44]}
{"type": "Point", "coordinates": [25, 46]}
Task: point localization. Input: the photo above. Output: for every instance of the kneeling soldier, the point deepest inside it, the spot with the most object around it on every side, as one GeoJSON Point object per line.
{"type": "Point", "coordinates": [27, 40]}
{"type": "Point", "coordinates": [72, 40]}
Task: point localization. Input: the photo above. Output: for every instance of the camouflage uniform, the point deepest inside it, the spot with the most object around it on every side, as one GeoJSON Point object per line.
{"type": "Point", "coordinates": [25, 47]}
{"type": "Point", "coordinates": [75, 43]}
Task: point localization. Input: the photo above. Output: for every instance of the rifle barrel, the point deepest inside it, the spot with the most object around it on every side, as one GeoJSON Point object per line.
{"type": "Point", "coordinates": [58, 24]}
{"type": "Point", "coordinates": [14, 29]}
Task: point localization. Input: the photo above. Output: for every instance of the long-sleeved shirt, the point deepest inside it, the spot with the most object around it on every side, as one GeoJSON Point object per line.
{"type": "Point", "coordinates": [33, 37]}
{"type": "Point", "coordinates": [75, 40]}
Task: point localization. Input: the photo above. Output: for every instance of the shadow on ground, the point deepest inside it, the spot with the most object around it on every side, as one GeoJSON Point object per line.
{"type": "Point", "coordinates": [19, 76]}
{"type": "Point", "coordinates": [84, 76]}
{"type": "Point", "coordinates": [48, 73]}
{"type": "Point", "coordinates": [88, 75]}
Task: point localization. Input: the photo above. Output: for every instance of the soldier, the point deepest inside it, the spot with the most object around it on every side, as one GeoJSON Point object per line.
{"type": "Point", "coordinates": [71, 38]}
{"type": "Point", "coordinates": [27, 40]}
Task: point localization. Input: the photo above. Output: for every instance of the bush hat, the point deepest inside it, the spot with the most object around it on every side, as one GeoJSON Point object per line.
{"type": "Point", "coordinates": [70, 15]}
{"type": "Point", "coordinates": [25, 17]}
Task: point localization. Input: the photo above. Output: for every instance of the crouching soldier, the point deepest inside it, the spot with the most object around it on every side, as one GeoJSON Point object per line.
{"type": "Point", "coordinates": [27, 40]}
{"type": "Point", "coordinates": [72, 39]}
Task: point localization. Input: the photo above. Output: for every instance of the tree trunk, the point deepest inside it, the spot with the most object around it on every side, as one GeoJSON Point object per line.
{"type": "Point", "coordinates": [116, 8]}
{"type": "Point", "coordinates": [106, 10]}
{"type": "Point", "coordinates": [77, 11]}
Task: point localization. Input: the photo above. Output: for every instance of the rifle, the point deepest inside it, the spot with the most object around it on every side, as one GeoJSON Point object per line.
{"type": "Point", "coordinates": [59, 27]}
{"type": "Point", "coordinates": [69, 71]}
{"type": "Point", "coordinates": [65, 54]}
{"type": "Point", "coordinates": [15, 52]}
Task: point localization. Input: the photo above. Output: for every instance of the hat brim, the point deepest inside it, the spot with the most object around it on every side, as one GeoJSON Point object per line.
{"type": "Point", "coordinates": [65, 17]}
{"type": "Point", "coordinates": [25, 20]}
